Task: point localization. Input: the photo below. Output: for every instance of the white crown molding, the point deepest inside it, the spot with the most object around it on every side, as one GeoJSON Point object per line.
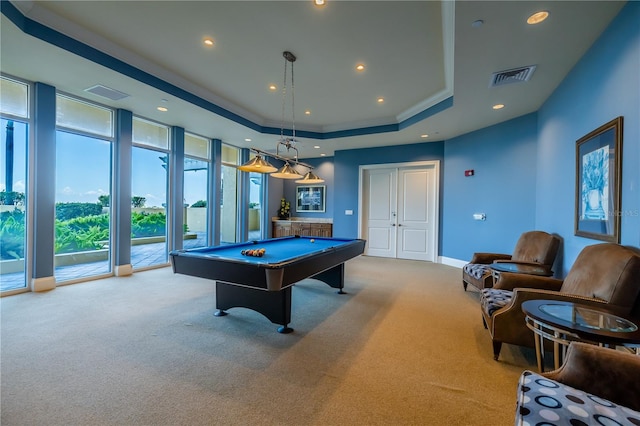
{"type": "Point", "coordinates": [448, 49]}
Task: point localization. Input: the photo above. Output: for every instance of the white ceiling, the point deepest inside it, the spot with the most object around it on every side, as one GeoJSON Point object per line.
{"type": "Point", "coordinates": [416, 53]}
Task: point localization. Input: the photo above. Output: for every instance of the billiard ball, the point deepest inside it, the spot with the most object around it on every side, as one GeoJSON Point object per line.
{"type": "Point", "coordinates": [254, 253]}
{"type": "Point", "coordinates": [313, 241]}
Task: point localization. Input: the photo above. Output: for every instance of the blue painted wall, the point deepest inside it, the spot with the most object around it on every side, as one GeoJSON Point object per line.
{"type": "Point", "coordinates": [604, 84]}
{"type": "Point", "coordinates": [346, 169]}
{"type": "Point", "coordinates": [503, 187]}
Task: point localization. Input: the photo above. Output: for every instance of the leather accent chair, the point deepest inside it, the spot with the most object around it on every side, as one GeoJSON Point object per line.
{"type": "Point", "coordinates": [533, 247]}
{"type": "Point", "coordinates": [602, 274]}
{"type": "Point", "coordinates": [594, 385]}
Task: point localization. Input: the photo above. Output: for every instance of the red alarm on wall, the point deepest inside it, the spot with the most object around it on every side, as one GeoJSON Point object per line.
{"type": "Point", "coordinates": [468, 172]}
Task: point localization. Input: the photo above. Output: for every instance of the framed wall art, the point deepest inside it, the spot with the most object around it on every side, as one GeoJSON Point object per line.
{"type": "Point", "coordinates": [598, 176]}
{"type": "Point", "coordinates": [310, 198]}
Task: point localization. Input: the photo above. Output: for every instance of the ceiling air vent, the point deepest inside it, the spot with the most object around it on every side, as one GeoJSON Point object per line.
{"type": "Point", "coordinates": [515, 75]}
{"type": "Point", "coordinates": [106, 92]}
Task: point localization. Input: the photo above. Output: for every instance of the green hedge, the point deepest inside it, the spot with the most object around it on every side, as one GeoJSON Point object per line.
{"type": "Point", "coordinates": [68, 211]}
{"type": "Point", "coordinates": [83, 233]}
{"type": "Point", "coordinates": [148, 224]}
{"type": "Point", "coordinates": [12, 235]}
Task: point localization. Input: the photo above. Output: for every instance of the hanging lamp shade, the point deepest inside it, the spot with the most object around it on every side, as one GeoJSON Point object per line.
{"type": "Point", "coordinates": [310, 178]}
{"type": "Point", "coordinates": [286, 172]}
{"type": "Point", "coordinates": [259, 165]}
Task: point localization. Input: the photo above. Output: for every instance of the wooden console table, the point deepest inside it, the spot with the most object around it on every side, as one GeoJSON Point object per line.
{"type": "Point", "coordinates": [308, 228]}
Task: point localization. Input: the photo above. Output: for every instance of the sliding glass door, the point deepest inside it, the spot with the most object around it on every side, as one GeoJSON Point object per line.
{"type": "Point", "coordinates": [229, 190]}
{"type": "Point", "coordinates": [83, 185]}
{"type": "Point", "coordinates": [13, 196]}
{"type": "Point", "coordinates": [149, 194]}
{"type": "Point", "coordinates": [256, 206]}
{"type": "Point", "coordinates": [197, 165]}
{"type": "Point", "coordinates": [84, 150]}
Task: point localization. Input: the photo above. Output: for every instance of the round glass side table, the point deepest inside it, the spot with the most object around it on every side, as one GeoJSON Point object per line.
{"type": "Point", "coordinates": [564, 322]}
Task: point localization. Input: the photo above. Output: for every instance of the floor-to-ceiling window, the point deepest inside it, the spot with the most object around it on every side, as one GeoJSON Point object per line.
{"type": "Point", "coordinates": [14, 118]}
{"type": "Point", "coordinates": [149, 193]}
{"type": "Point", "coordinates": [229, 203]}
{"type": "Point", "coordinates": [197, 165]}
{"type": "Point", "coordinates": [256, 194]}
{"type": "Point", "coordinates": [84, 150]}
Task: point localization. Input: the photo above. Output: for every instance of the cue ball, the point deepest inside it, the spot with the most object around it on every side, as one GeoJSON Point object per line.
{"type": "Point", "coordinates": [313, 241]}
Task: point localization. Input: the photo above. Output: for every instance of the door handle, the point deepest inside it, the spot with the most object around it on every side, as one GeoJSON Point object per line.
{"type": "Point", "coordinates": [393, 224]}
{"type": "Point", "coordinates": [399, 224]}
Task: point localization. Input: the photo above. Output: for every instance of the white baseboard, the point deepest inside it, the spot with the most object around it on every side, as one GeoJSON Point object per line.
{"type": "Point", "coordinates": [43, 284]}
{"type": "Point", "coordinates": [453, 262]}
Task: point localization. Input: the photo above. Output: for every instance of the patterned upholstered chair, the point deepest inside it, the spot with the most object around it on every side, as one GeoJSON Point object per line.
{"type": "Point", "coordinates": [602, 274]}
{"type": "Point", "coordinates": [594, 385]}
{"type": "Point", "coordinates": [533, 247]}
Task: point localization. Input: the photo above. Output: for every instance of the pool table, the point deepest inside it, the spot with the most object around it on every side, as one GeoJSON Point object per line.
{"type": "Point", "coordinates": [263, 284]}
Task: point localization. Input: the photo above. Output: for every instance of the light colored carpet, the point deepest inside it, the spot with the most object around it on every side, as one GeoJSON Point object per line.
{"type": "Point", "coordinates": [405, 346]}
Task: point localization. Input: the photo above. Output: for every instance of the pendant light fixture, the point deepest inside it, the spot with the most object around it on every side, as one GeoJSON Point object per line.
{"type": "Point", "coordinates": [258, 164]}
{"type": "Point", "coordinates": [261, 165]}
{"type": "Point", "coordinates": [287, 172]}
{"type": "Point", "coordinates": [310, 178]}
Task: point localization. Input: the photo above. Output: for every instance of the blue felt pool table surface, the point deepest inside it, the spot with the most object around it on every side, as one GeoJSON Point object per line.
{"type": "Point", "coordinates": [277, 250]}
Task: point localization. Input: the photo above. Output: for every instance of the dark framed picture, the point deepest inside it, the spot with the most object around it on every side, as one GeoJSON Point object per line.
{"type": "Point", "coordinates": [598, 176]}
{"type": "Point", "coordinates": [310, 198]}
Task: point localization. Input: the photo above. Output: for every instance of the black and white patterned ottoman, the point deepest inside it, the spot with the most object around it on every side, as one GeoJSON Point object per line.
{"type": "Point", "coordinates": [542, 401]}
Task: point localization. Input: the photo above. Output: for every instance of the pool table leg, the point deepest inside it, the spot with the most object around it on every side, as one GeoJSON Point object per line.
{"type": "Point", "coordinates": [284, 329]}
{"type": "Point", "coordinates": [275, 305]}
{"type": "Point", "coordinates": [334, 277]}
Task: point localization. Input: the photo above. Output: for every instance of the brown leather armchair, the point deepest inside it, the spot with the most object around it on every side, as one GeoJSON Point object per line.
{"type": "Point", "coordinates": [599, 386]}
{"type": "Point", "coordinates": [533, 247]}
{"type": "Point", "coordinates": [602, 274]}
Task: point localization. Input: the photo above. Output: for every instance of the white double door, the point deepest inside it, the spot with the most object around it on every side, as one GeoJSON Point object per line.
{"type": "Point", "coordinates": [400, 211]}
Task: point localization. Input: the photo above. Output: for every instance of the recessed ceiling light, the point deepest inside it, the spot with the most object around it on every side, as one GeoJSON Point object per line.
{"type": "Point", "coordinates": [318, 2]}
{"type": "Point", "coordinates": [272, 87]}
{"type": "Point", "coordinates": [424, 136]}
{"type": "Point", "coordinates": [207, 41]}
{"type": "Point", "coordinates": [360, 67]}
{"type": "Point", "coordinates": [477, 24]}
{"type": "Point", "coordinates": [498, 106]}
{"type": "Point", "coordinates": [316, 146]}
{"type": "Point", "coordinates": [163, 109]}
{"type": "Point", "coordinates": [537, 17]}
{"type": "Point", "coordinates": [307, 112]}
{"type": "Point", "coordinates": [322, 155]}
{"type": "Point", "coordinates": [380, 100]}
{"type": "Point", "coordinates": [247, 139]}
